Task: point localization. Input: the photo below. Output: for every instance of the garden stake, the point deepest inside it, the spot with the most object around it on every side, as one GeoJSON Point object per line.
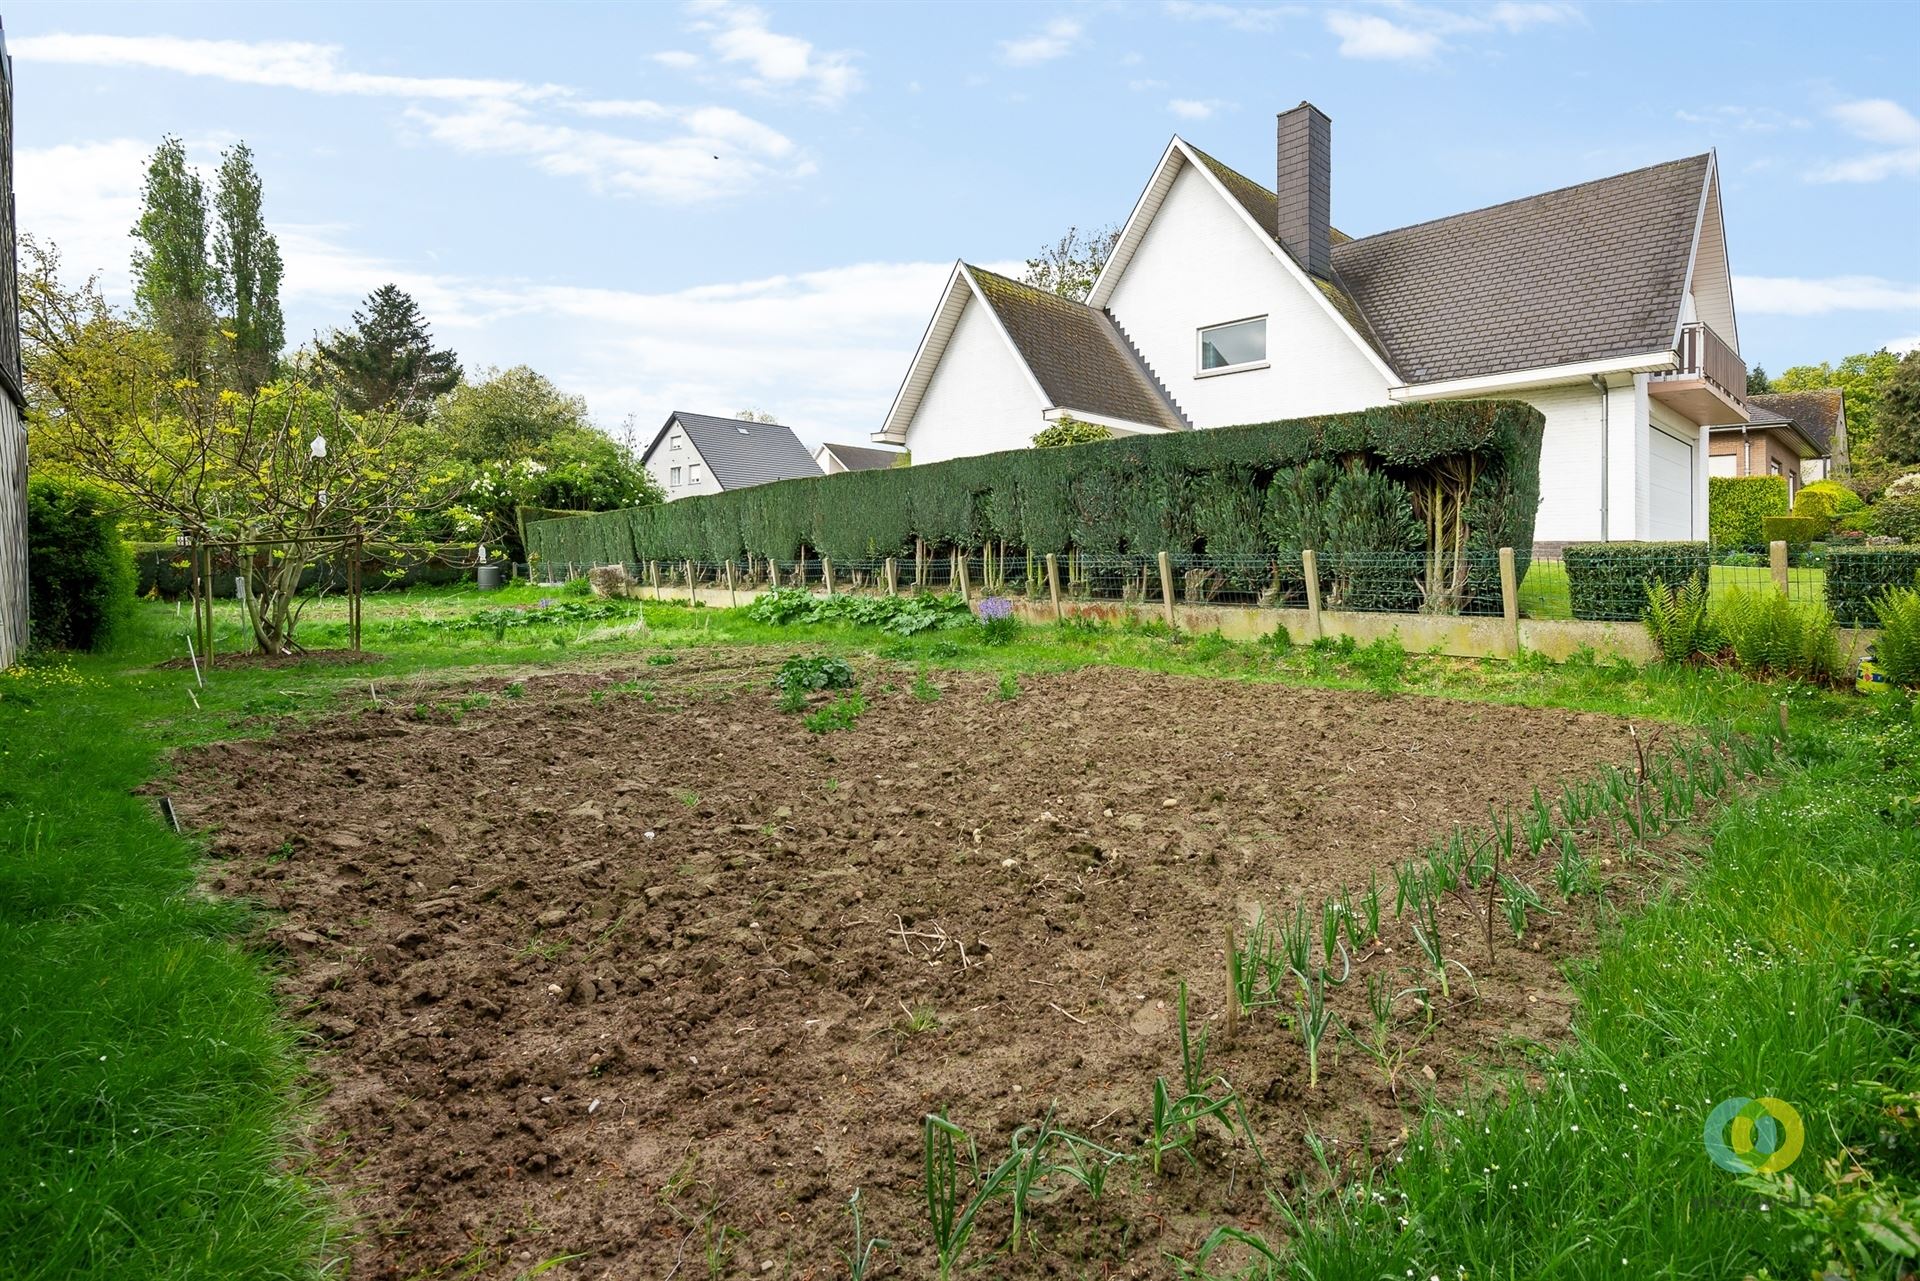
{"type": "Point", "coordinates": [1233, 986]}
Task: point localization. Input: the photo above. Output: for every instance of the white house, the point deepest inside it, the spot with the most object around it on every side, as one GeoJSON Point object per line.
{"type": "Point", "coordinates": [700, 454]}
{"type": "Point", "coordinates": [833, 458]}
{"type": "Point", "coordinates": [1608, 305]}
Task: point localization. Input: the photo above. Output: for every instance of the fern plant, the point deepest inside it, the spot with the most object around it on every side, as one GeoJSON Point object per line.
{"type": "Point", "coordinates": [1770, 634]}
{"type": "Point", "coordinates": [1679, 620]}
{"type": "Point", "coordinates": [1898, 650]}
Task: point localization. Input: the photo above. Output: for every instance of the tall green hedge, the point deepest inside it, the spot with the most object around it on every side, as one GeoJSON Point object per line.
{"type": "Point", "coordinates": [79, 575]}
{"type": "Point", "coordinates": [1247, 490]}
{"type": "Point", "coordinates": [1610, 580]}
{"type": "Point", "coordinates": [1737, 504]}
{"type": "Point", "coordinates": [1855, 575]}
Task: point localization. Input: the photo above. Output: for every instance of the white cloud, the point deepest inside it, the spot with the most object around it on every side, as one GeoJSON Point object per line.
{"type": "Point", "coordinates": [678, 59]}
{"type": "Point", "coordinates": [1901, 346]}
{"type": "Point", "coordinates": [1373, 37]}
{"type": "Point", "coordinates": [1194, 108]}
{"type": "Point", "coordinates": [1238, 17]}
{"type": "Point", "coordinates": [1797, 296]}
{"type": "Point", "coordinates": [689, 153]}
{"type": "Point", "coordinates": [716, 150]}
{"type": "Point", "coordinates": [1742, 118]}
{"type": "Point", "coordinates": [83, 197]}
{"type": "Point", "coordinates": [1142, 86]}
{"type": "Point", "coordinates": [1054, 40]}
{"type": "Point", "coordinates": [740, 34]}
{"type": "Point", "coordinates": [1881, 121]}
{"type": "Point", "coordinates": [1518, 16]}
{"type": "Point", "coordinates": [282, 64]}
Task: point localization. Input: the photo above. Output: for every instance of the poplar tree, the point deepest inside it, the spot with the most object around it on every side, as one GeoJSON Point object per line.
{"type": "Point", "coordinates": [246, 282]}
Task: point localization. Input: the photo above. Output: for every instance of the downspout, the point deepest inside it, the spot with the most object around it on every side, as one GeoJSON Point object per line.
{"type": "Point", "coordinates": [1600, 385]}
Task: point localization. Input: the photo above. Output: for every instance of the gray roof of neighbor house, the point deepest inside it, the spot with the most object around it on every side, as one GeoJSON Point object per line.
{"type": "Point", "coordinates": [1077, 354]}
{"type": "Point", "coordinates": [864, 457]}
{"type": "Point", "coordinates": [1759, 415]}
{"type": "Point", "coordinates": [1581, 273]}
{"type": "Point", "coordinates": [741, 453]}
{"type": "Point", "coordinates": [1816, 413]}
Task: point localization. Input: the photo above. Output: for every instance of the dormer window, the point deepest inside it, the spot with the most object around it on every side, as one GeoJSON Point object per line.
{"type": "Point", "coordinates": [1241, 344]}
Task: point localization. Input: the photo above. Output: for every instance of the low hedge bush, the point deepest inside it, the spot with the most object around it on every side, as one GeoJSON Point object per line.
{"type": "Point", "coordinates": [1612, 580]}
{"type": "Point", "coordinates": [1825, 499]}
{"type": "Point", "coordinates": [1796, 531]}
{"type": "Point", "coordinates": [1856, 575]}
{"type": "Point", "coordinates": [79, 576]}
{"type": "Point", "coordinates": [1737, 504]}
{"type": "Point", "coordinates": [1899, 518]}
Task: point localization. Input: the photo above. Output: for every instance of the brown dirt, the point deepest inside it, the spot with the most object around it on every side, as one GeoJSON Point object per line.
{"type": "Point", "coordinates": [254, 658]}
{"type": "Point", "coordinates": [603, 968]}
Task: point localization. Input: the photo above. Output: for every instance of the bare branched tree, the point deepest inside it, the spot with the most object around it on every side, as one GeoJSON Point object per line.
{"type": "Point", "coordinates": [1070, 265]}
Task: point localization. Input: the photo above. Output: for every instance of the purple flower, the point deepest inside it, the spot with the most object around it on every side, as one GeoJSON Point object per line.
{"type": "Point", "coordinates": [546, 602]}
{"type": "Point", "coordinates": [995, 608]}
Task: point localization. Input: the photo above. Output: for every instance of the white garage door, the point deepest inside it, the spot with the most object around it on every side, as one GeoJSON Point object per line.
{"type": "Point", "coordinates": [1672, 489]}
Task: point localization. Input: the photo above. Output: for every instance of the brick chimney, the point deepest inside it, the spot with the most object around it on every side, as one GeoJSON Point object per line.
{"type": "Point", "coordinates": [1302, 180]}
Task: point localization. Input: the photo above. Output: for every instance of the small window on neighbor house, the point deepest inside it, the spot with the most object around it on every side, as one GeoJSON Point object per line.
{"type": "Point", "coordinates": [673, 441]}
{"type": "Point", "coordinates": [1244, 342]}
{"type": "Point", "coordinates": [673, 478]}
{"type": "Point", "coordinates": [693, 473]}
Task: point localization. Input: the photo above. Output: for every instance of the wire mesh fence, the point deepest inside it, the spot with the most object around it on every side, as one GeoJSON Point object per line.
{"type": "Point", "coordinates": [1611, 582]}
{"type": "Point", "coordinates": [1599, 582]}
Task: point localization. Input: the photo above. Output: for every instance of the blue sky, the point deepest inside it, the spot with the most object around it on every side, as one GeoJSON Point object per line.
{"type": "Point", "coordinates": [717, 205]}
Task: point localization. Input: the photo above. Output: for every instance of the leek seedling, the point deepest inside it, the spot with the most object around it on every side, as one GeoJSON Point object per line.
{"type": "Point", "coordinates": [1314, 1020]}
{"type": "Point", "coordinates": [1370, 904]}
{"type": "Point", "coordinates": [1296, 941]}
{"type": "Point", "coordinates": [1570, 873]}
{"type": "Point", "coordinates": [860, 1258]}
{"type": "Point", "coordinates": [1520, 899]}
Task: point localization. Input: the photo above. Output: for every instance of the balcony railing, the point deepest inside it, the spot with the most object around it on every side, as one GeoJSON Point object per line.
{"type": "Point", "coordinates": [1703, 354]}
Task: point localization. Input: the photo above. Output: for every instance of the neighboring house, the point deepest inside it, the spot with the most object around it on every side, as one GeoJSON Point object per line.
{"type": "Point", "coordinates": [1607, 305]}
{"type": "Point", "coordinates": [838, 458]}
{"type": "Point", "coordinates": [700, 454]}
{"type": "Point", "coordinates": [1800, 435]}
{"type": "Point", "coordinates": [13, 402]}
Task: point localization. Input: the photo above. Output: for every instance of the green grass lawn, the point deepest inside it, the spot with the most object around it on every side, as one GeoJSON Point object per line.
{"type": "Point", "coordinates": [1543, 592]}
{"type": "Point", "coordinates": [150, 1092]}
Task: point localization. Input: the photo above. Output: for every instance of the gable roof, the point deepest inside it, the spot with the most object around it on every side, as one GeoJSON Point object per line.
{"type": "Point", "coordinates": [1818, 413]}
{"type": "Point", "coordinates": [740, 453]}
{"type": "Point", "coordinates": [1762, 417]}
{"type": "Point", "coordinates": [1587, 272]}
{"type": "Point", "coordinates": [1073, 355]}
{"type": "Point", "coordinates": [863, 457]}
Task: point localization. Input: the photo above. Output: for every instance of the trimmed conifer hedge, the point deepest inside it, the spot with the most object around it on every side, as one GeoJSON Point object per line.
{"type": "Point", "coordinates": [1255, 490]}
{"type": "Point", "coordinates": [1737, 504]}
{"type": "Point", "coordinates": [1610, 580]}
{"type": "Point", "coordinates": [1856, 575]}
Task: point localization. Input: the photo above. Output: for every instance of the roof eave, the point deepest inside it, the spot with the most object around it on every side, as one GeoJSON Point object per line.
{"type": "Point", "coordinates": [1652, 362]}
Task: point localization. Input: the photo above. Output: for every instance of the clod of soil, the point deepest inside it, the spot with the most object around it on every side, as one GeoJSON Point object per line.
{"type": "Point", "coordinates": [632, 963]}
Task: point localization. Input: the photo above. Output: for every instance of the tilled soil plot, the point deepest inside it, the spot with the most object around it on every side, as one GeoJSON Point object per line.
{"type": "Point", "coordinates": [630, 967]}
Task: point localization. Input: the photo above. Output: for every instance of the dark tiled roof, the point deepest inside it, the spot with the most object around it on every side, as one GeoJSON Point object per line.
{"type": "Point", "coordinates": [742, 453]}
{"type": "Point", "coordinates": [1815, 413]}
{"type": "Point", "coordinates": [1582, 273]}
{"type": "Point", "coordinates": [1075, 353]}
{"type": "Point", "coordinates": [865, 457]}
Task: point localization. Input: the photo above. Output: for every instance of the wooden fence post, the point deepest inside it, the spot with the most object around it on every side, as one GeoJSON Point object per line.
{"type": "Point", "coordinates": [693, 593]}
{"type": "Point", "coordinates": [1053, 585]}
{"type": "Point", "coordinates": [773, 573]}
{"type": "Point", "coordinates": [1510, 597]}
{"type": "Point", "coordinates": [893, 576]}
{"type": "Point", "coordinates": [1166, 586]}
{"type": "Point", "coordinates": [1310, 563]}
{"type": "Point", "coordinates": [826, 572]}
{"type": "Point", "coordinates": [653, 577]}
{"type": "Point", "coordinates": [966, 582]}
{"type": "Point", "coordinates": [733, 597]}
{"type": "Point", "coordinates": [1777, 559]}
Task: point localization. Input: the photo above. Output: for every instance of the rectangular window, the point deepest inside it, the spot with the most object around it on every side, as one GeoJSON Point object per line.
{"type": "Point", "coordinates": [673, 441]}
{"type": "Point", "coordinates": [693, 473]}
{"type": "Point", "coordinates": [673, 478]}
{"type": "Point", "coordinates": [1244, 342]}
